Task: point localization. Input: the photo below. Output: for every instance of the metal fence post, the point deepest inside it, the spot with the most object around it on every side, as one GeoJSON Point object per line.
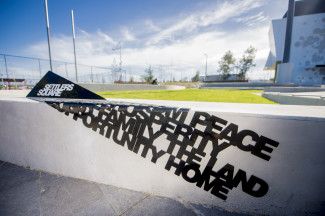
{"type": "Point", "coordinates": [91, 74]}
{"type": "Point", "coordinates": [2, 79]}
{"type": "Point", "coordinates": [14, 78]}
{"type": "Point", "coordinates": [6, 66]}
{"type": "Point", "coordinates": [66, 70]}
{"type": "Point", "coordinates": [39, 68]}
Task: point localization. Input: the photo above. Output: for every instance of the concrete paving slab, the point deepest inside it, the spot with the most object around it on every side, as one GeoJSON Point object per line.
{"type": "Point", "coordinates": [66, 196]}
{"type": "Point", "coordinates": [19, 191]}
{"type": "Point", "coordinates": [212, 211]}
{"type": "Point", "coordinates": [31, 192]}
{"type": "Point", "coordinates": [120, 199]}
{"type": "Point", "coordinates": [165, 206]}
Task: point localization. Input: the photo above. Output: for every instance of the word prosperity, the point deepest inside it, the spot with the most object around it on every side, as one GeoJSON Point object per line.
{"type": "Point", "coordinates": [138, 127]}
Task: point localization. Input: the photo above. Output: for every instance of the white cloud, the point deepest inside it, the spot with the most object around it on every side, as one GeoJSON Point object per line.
{"type": "Point", "coordinates": [252, 20]}
{"type": "Point", "coordinates": [151, 26]}
{"type": "Point", "coordinates": [88, 46]}
{"type": "Point", "coordinates": [127, 35]}
{"type": "Point", "coordinates": [219, 14]}
{"type": "Point", "coordinates": [186, 43]}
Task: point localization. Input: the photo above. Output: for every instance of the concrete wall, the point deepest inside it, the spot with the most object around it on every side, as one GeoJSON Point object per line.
{"type": "Point", "coordinates": [276, 38]}
{"type": "Point", "coordinates": [307, 48]}
{"type": "Point", "coordinates": [284, 73]}
{"type": "Point", "coordinates": [128, 87]}
{"type": "Point", "coordinates": [37, 135]}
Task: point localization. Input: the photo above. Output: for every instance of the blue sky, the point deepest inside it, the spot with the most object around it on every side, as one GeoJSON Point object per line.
{"type": "Point", "coordinates": [167, 34]}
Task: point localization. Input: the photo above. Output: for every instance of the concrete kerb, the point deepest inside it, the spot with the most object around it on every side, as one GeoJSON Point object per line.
{"type": "Point", "coordinates": [292, 99]}
{"type": "Point", "coordinates": [129, 87]}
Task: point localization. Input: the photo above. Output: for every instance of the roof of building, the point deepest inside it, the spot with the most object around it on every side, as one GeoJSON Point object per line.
{"type": "Point", "coordinates": [307, 7]}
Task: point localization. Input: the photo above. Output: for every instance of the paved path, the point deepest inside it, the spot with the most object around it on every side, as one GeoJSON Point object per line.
{"type": "Point", "coordinates": [30, 192]}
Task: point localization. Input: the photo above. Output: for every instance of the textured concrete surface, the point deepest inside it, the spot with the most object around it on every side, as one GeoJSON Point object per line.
{"type": "Point", "coordinates": [297, 98]}
{"type": "Point", "coordinates": [31, 192]}
{"type": "Point", "coordinates": [294, 89]}
{"type": "Point", "coordinates": [236, 85]}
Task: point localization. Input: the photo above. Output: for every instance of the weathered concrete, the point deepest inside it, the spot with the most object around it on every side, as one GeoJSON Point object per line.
{"type": "Point", "coordinates": [300, 98]}
{"type": "Point", "coordinates": [36, 135]}
{"type": "Point", "coordinates": [128, 87]}
{"type": "Point", "coordinates": [237, 85]}
{"type": "Point", "coordinates": [293, 89]}
{"type": "Point", "coordinates": [31, 192]}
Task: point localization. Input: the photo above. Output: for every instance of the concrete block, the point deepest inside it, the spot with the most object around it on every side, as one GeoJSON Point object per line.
{"type": "Point", "coordinates": [36, 135]}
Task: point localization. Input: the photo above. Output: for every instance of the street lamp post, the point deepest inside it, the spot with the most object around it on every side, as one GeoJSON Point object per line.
{"type": "Point", "coordinates": [74, 45]}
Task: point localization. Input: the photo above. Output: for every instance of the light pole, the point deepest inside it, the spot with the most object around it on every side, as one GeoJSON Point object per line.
{"type": "Point", "coordinates": [74, 45]}
{"type": "Point", "coordinates": [206, 66]}
{"type": "Point", "coordinates": [48, 32]}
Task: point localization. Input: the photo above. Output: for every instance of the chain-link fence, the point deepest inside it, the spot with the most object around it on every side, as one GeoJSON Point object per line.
{"type": "Point", "coordinates": [27, 71]}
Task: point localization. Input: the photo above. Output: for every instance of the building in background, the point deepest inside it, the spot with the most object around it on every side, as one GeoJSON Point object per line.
{"type": "Point", "coordinates": [306, 64]}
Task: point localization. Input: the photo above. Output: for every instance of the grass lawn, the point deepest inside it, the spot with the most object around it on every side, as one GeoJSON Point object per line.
{"type": "Point", "coordinates": [209, 95]}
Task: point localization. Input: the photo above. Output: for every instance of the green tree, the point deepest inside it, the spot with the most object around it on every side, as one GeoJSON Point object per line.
{"type": "Point", "coordinates": [246, 62]}
{"type": "Point", "coordinates": [148, 77]}
{"type": "Point", "coordinates": [196, 77]}
{"type": "Point", "coordinates": [226, 64]}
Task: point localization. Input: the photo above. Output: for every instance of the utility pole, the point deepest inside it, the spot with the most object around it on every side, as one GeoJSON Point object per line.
{"type": "Point", "coordinates": [48, 32]}
{"type": "Point", "coordinates": [74, 45]}
{"type": "Point", "coordinates": [288, 35]}
{"type": "Point", "coordinates": [119, 47]}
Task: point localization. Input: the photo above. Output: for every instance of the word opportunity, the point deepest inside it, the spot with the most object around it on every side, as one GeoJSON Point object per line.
{"type": "Point", "coordinates": [135, 126]}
